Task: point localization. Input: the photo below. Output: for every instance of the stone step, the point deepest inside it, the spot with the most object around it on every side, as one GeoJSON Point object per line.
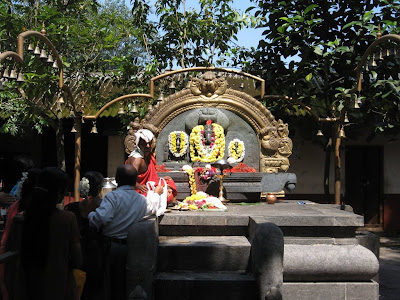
{"type": "Point", "coordinates": [210, 286]}
{"type": "Point", "coordinates": [203, 253]}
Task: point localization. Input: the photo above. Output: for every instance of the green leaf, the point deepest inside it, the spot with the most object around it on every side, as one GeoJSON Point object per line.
{"type": "Point", "coordinates": [308, 77]}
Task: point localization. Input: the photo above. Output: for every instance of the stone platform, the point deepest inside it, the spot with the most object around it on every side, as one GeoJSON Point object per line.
{"type": "Point", "coordinates": [320, 256]}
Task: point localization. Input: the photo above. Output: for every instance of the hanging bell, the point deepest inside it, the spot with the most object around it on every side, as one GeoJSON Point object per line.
{"type": "Point", "coordinates": [37, 50]}
{"type": "Point", "coordinates": [20, 77]}
{"type": "Point", "coordinates": [160, 97]}
{"type": "Point", "coordinates": [150, 107]}
{"type": "Point", "coordinates": [50, 59]}
{"type": "Point", "coordinates": [356, 104]}
{"type": "Point", "coordinates": [346, 118]}
{"type": "Point", "coordinates": [60, 100]}
{"type": "Point", "coordinates": [121, 110]}
{"type": "Point", "coordinates": [94, 128]}
{"type": "Point", "coordinates": [71, 113]}
{"type": "Point", "coordinates": [83, 120]}
{"type": "Point", "coordinates": [5, 74]}
{"type": "Point", "coordinates": [241, 86]}
{"type": "Point", "coordinates": [73, 130]}
{"type": "Point", "coordinates": [55, 65]}
{"type": "Point", "coordinates": [30, 47]}
{"type": "Point", "coordinates": [134, 108]}
{"type": "Point", "coordinates": [13, 74]}
{"type": "Point", "coordinates": [43, 54]}
{"type": "Point", "coordinates": [319, 133]}
{"type": "Point", "coordinates": [342, 133]}
{"type": "Point", "coordinates": [172, 85]}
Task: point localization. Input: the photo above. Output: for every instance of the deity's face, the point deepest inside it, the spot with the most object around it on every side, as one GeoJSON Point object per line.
{"type": "Point", "coordinates": [146, 147]}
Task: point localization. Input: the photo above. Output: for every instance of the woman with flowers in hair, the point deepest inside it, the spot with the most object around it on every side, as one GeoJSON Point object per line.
{"type": "Point", "coordinates": [91, 241]}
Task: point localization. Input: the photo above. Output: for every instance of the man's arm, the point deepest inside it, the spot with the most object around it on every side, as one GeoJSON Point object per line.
{"type": "Point", "coordinates": [103, 214]}
{"type": "Point", "coordinates": [138, 162]}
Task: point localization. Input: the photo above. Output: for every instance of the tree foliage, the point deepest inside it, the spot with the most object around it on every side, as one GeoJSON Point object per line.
{"type": "Point", "coordinates": [190, 37]}
{"type": "Point", "coordinates": [310, 51]}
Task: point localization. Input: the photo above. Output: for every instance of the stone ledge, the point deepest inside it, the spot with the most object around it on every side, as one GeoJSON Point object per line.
{"type": "Point", "coordinates": [330, 290]}
{"type": "Point", "coordinates": [329, 262]}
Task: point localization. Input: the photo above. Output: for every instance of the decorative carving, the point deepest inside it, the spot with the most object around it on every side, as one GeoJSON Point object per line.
{"type": "Point", "coordinates": [209, 85]}
{"type": "Point", "coordinates": [276, 147]}
{"type": "Point", "coordinates": [130, 139]}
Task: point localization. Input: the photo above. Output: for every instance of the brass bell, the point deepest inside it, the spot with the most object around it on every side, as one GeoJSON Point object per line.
{"type": "Point", "coordinates": [73, 130]}
{"type": "Point", "coordinates": [150, 107]}
{"type": "Point", "coordinates": [30, 47]}
{"type": "Point", "coordinates": [43, 54]}
{"type": "Point", "coordinates": [134, 109]}
{"type": "Point", "coordinates": [37, 50]}
{"type": "Point", "coordinates": [172, 85]}
{"type": "Point", "coordinates": [121, 110]}
{"type": "Point", "coordinates": [60, 100]}
{"type": "Point", "coordinates": [346, 118]}
{"type": "Point", "coordinates": [13, 74]}
{"type": "Point", "coordinates": [55, 65]}
{"type": "Point", "coordinates": [94, 128]}
{"type": "Point", "coordinates": [20, 77]}
{"type": "Point", "coordinates": [5, 74]}
{"type": "Point", "coordinates": [319, 133]}
{"type": "Point", "coordinates": [160, 97]}
{"type": "Point", "coordinates": [241, 86]}
{"type": "Point", "coordinates": [342, 134]}
{"type": "Point", "coordinates": [50, 59]}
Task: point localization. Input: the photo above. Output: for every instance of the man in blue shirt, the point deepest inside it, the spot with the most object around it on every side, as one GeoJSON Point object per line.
{"type": "Point", "coordinates": [118, 211]}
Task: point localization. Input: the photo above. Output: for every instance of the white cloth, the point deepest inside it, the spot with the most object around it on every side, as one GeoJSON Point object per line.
{"type": "Point", "coordinates": [145, 135]}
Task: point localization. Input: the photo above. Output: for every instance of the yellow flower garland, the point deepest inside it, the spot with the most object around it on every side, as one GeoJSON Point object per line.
{"type": "Point", "coordinates": [172, 143]}
{"type": "Point", "coordinates": [192, 181]}
{"type": "Point", "coordinates": [237, 153]}
{"type": "Point", "coordinates": [207, 153]}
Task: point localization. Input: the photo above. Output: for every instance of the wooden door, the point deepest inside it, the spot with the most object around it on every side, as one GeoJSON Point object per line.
{"type": "Point", "coordinates": [364, 181]}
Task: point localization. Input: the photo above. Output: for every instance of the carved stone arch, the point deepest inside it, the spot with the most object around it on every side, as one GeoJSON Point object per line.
{"type": "Point", "coordinates": [242, 104]}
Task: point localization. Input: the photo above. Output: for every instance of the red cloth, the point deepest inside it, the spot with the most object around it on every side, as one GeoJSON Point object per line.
{"type": "Point", "coordinates": [149, 175]}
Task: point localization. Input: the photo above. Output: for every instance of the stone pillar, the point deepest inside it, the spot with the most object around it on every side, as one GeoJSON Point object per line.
{"type": "Point", "coordinates": [141, 260]}
{"type": "Point", "coordinates": [267, 260]}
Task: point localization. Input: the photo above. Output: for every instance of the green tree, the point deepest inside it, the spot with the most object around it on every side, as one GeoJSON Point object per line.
{"type": "Point", "coordinates": [189, 37]}
{"type": "Point", "coordinates": [95, 43]}
{"type": "Point", "coordinates": [310, 51]}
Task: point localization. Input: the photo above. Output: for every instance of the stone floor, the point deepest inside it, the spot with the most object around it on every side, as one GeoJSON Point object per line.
{"type": "Point", "coordinates": [389, 268]}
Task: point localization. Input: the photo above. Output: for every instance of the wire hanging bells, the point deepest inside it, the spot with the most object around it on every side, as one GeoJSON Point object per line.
{"type": "Point", "coordinates": [30, 47]}
{"type": "Point", "coordinates": [319, 133]}
{"type": "Point", "coordinates": [55, 65]}
{"type": "Point", "coordinates": [94, 128]}
{"type": "Point", "coordinates": [160, 97]}
{"type": "Point", "coordinates": [172, 85]}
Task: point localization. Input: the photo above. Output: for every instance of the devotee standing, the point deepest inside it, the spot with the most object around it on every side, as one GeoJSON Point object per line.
{"type": "Point", "coordinates": [118, 211]}
{"type": "Point", "coordinates": [91, 241]}
{"type": "Point", "coordinates": [50, 245]}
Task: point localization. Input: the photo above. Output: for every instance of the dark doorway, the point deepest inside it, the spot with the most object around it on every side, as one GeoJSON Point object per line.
{"type": "Point", "coordinates": [364, 181]}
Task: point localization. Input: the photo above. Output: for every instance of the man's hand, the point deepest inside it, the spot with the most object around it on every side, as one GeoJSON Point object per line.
{"type": "Point", "coordinates": [141, 187]}
{"type": "Point", "coordinates": [158, 189]}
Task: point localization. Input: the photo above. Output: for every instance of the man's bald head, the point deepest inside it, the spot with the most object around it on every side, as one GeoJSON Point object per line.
{"type": "Point", "coordinates": [126, 175]}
